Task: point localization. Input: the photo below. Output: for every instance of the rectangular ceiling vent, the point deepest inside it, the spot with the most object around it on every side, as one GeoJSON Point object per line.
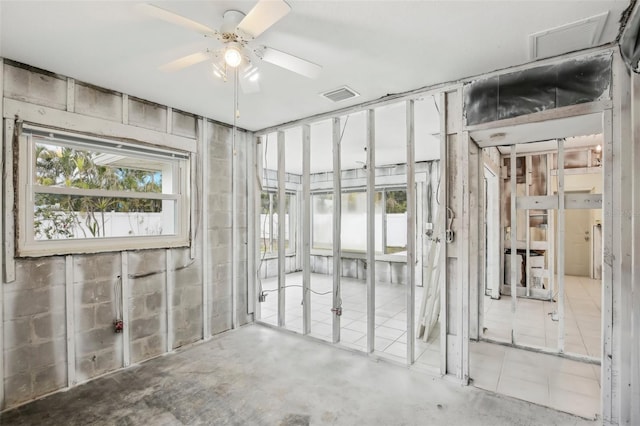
{"type": "Point", "coordinates": [577, 35]}
{"type": "Point", "coordinates": [341, 94]}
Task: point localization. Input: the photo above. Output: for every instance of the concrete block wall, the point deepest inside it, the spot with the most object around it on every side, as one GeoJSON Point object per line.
{"type": "Point", "coordinates": [34, 330]}
{"type": "Point", "coordinates": [95, 284]}
{"type": "Point", "coordinates": [34, 356]}
{"type": "Point", "coordinates": [148, 314]}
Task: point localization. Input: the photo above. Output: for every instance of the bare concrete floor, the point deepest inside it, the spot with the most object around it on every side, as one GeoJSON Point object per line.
{"type": "Point", "coordinates": [260, 376]}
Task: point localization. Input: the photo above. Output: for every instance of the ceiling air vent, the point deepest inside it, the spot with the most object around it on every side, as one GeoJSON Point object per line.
{"type": "Point", "coordinates": [341, 94]}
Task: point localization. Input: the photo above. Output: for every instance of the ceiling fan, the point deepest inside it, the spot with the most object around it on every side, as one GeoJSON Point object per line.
{"type": "Point", "coordinates": [238, 52]}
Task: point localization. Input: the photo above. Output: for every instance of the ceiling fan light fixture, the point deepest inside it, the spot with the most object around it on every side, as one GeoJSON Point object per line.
{"type": "Point", "coordinates": [232, 56]}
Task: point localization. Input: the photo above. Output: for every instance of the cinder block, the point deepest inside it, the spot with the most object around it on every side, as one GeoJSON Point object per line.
{"type": "Point", "coordinates": [383, 272]}
{"type": "Point", "coordinates": [50, 325]}
{"type": "Point", "coordinates": [49, 379]}
{"type": "Point", "coordinates": [96, 340]}
{"type": "Point", "coordinates": [145, 327]}
{"type": "Point", "coordinates": [147, 262]}
{"type": "Point", "coordinates": [97, 291]}
{"type": "Point", "coordinates": [38, 273]}
{"type": "Point", "coordinates": [153, 303]}
{"type": "Point", "coordinates": [183, 124]}
{"type": "Point", "coordinates": [350, 268]}
{"type": "Point", "coordinates": [17, 360]}
{"type": "Point", "coordinates": [85, 318]}
{"type": "Point", "coordinates": [27, 302]}
{"type": "Point", "coordinates": [18, 388]}
{"type": "Point", "coordinates": [98, 102]}
{"type": "Point", "coordinates": [97, 267]}
{"type": "Point", "coordinates": [35, 86]}
{"type": "Point", "coordinates": [147, 114]}
{"type": "Point", "coordinates": [48, 353]}
{"type": "Point", "coordinates": [105, 314]}
{"type": "Point", "coordinates": [107, 361]}
{"type": "Point", "coordinates": [190, 275]}
{"type": "Point", "coordinates": [137, 307]}
{"type": "Point", "coordinates": [398, 273]}
{"type": "Point", "coordinates": [17, 332]}
{"type": "Point", "coordinates": [84, 367]}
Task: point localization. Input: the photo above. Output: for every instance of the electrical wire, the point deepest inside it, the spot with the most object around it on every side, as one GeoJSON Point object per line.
{"type": "Point", "coordinates": [300, 286]}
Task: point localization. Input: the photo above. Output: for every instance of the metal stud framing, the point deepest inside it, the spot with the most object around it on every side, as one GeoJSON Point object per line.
{"type": "Point", "coordinates": [443, 196]}
{"type": "Point", "coordinates": [371, 228]}
{"type": "Point", "coordinates": [514, 247]}
{"type": "Point", "coordinates": [337, 218]}
{"type": "Point", "coordinates": [281, 229]}
{"type": "Point", "coordinates": [411, 232]}
{"type": "Point", "coordinates": [170, 282]}
{"type": "Point", "coordinates": [204, 160]}
{"type": "Point", "coordinates": [126, 341]}
{"type": "Point", "coordinates": [306, 229]}
{"type": "Point", "coordinates": [560, 236]}
{"type": "Point", "coordinates": [71, 329]}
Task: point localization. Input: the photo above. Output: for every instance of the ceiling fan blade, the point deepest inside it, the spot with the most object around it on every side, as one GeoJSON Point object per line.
{"type": "Point", "coordinates": [291, 63]}
{"type": "Point", "coordinates": [186, 61]}
{"type": "Point", "coordinates": [262, 16]}
{"type": "Point", "coordinates": [176, 19]}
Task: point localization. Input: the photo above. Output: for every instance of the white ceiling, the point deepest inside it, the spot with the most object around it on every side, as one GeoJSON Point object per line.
{"type": "Point", "coordinates": [375, 47]}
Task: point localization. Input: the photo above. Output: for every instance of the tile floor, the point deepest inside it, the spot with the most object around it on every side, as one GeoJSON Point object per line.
{"type": "Point", "coordinates": [560, 383]}
{"type": "Point", "coordinates": [548, 380]}
{"type": "Point", "coordinates": [390, 321]}
{"type": "Point", "coordinates": [534, 326]}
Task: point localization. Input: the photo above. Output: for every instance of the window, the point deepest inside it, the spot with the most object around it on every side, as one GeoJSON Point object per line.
{"type": "Point", "coordinates": [395, 221]}
{"type": "Point", "coordinates": [391, 225]}
{"type": "Point", "coordinates": [269, 223]}
{"type": "Point", "coordinates": [83, 194]}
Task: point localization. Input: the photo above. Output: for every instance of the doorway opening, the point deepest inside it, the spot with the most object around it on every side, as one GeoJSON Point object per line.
{"type": "Point", "coordinates": [539, 321]}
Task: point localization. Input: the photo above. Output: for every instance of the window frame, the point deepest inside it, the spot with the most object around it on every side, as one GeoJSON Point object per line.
{"type": "Point", "coordinates": [382, 189]}
{"type": "Point", "coordinates": [291, 211]}
{"type": "Point", "coordinates": [29, 246]}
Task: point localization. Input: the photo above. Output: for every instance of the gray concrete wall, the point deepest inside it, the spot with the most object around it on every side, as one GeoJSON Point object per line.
{"type": "Point", "coordinates": [35, 314]}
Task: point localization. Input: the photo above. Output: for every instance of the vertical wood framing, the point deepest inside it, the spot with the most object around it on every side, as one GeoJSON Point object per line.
{"type": "Point", "coordinates": [170, 282]}
{"type": "Point", "coordinates": [204, 208]}
{"type": "Point", "coordinates": [607, 268]}
{"type": "Point", "coordinates": [69, 314]}
{"type": "Point", "coordinates": [442, 196]}
{"type": "Point", "coordinates": [371, 229]}
{"type": "Point", "coordinates": [514, 252]}
{"type": "Point", "coordinates": [411, 231]}
{"type": "Point", "coordinates": [281, 229]}
{"type": "Point", "coordinates": [126, 340]}
{"type": "Point", "coordinates": [71, 92]}
{"type": "Point", "coordinates": [560, 234]}
{"type": "Point", "coordinates": [9, 194]}
{"type": "Point", "coordinates": [337, 219]}
{"type": "Point", "coordinates": [306, 229]}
